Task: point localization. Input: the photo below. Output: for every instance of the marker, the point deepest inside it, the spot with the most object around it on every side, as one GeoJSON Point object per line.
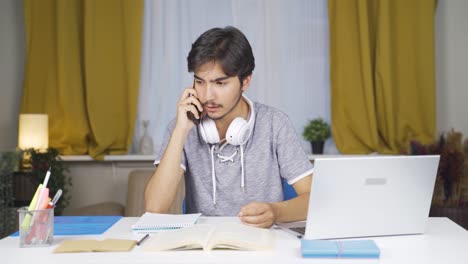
{"type": "Point", "coordinates": [32, 206]}
{"type": "Point", "coordinates": [40, 198]}
{"type": "Point", "coordinates": [44, 185]}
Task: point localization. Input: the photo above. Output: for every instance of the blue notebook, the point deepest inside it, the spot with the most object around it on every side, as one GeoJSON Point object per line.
{"type": "Point", "coordinates": [81, 225]}
{"type": "Point", "coordinates": [339, 249]}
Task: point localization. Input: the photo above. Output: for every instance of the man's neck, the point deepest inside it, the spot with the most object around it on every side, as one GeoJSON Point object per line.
{"type": "Point", "coordinates": [241, 110]}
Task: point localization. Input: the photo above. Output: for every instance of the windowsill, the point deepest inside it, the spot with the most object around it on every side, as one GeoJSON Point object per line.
{"type": "Point", "coordinates": [128, 157]}
{"type": "Point", "coordinates": [326, 156]}
{"type": "Point", "coordinates": [135, 157]}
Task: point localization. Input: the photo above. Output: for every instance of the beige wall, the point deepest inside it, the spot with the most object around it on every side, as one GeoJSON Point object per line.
{"type": "Point", "coordinates": [106, 181]}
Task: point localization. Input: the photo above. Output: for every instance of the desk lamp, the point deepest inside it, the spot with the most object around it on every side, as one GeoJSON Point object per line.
{"type": "Point", "coordinates": [33, 133]}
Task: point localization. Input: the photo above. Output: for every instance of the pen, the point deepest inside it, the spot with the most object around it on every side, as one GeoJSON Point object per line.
{"type": "Point", "coordinates": [55, 199]}
{"type": "Point", "coordinates": [142, 240]}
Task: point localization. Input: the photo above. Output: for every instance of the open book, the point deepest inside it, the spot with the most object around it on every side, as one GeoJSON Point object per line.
{"type": "Point", "coordinates": [204, 236]}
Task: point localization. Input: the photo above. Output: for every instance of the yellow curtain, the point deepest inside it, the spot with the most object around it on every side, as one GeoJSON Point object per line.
{"type": "Point", "coordinates": [382, 74]}
{"type": "Point", "coordinates": [82, 69]}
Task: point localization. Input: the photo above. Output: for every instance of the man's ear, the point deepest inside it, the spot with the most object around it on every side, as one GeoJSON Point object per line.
{"type": "Point", "coordinates": [246, 83]}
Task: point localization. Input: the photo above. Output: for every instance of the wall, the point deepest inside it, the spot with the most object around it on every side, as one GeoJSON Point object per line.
{"type": "Point", "coordinates": [101, 181]}
{"type": "Point", "coordinates": [12, 54]}
{"type": "Point", "coordinates": [451, 65]}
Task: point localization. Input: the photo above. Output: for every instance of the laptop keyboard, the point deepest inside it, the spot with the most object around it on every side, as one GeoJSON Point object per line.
{"type": "Point", "coordinates": [300, 230]}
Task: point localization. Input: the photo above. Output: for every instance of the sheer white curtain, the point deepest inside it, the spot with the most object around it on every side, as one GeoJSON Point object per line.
{"type": "Point", "coordinates": [290, 45]}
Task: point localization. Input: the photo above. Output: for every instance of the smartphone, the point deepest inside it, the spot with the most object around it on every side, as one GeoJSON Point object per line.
{"type": "Point", "coordinates": [190, 115]}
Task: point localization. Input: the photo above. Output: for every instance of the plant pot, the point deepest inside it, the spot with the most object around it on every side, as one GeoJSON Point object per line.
{"type": "Point", "coordinates": [317, 147]}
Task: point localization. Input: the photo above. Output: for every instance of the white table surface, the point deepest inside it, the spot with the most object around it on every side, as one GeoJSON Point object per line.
{"type": "Point", "coordinates": [443, 242]}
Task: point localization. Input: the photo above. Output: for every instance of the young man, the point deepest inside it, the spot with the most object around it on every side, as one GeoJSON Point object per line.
{"type": "Point", "coordinates": [234, 155]}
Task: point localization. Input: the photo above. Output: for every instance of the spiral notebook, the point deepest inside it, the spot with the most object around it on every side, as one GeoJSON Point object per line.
{"type": "Point", "coordinates": [152, 222]}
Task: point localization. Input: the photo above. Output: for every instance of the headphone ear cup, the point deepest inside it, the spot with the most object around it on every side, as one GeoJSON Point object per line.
{"type": "Point", "coordinates": [235, 132]}
{"type": "Point", "coordinates": [208, 131]}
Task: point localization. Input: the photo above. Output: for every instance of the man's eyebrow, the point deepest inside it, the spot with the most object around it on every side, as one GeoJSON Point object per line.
{"type": "Point", "coordinates": [215, 80]}
{"type": "Point", "coordinates": [196, 77]}
{"type": "Point", "coordinates": [221, 79]}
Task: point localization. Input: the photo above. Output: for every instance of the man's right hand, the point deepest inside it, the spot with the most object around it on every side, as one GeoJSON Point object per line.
{"type": "Point", "coordinates": [188, 102]}
{"type": "Point", "coordinates": [161, 189]}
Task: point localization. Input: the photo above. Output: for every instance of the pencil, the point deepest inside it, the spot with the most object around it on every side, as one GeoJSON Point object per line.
{"type": "Point", "coordinates": [142, 239]}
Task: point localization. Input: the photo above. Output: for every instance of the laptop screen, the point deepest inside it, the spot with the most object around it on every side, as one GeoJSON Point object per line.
{"type": "Point", "coordinates": [370, 196]}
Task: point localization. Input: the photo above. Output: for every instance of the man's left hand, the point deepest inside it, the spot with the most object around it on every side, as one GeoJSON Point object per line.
{"type": "Point", "coordinates": [258, 214]}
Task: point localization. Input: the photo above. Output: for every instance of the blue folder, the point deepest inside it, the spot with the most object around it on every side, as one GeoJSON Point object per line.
{"type": "Point", "coordinates": [81, 225]}
{"type": "Point", "coordinates": [339, 249]}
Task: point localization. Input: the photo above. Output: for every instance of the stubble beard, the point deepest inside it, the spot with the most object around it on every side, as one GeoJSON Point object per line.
{"type": "Point", "coordinates": [230, 110]}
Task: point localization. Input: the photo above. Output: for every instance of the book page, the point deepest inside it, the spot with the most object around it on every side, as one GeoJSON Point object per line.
{"type": "Point", "coordinates": [240, 236]}
{"type": "Point", "coordinates": [186, 238]}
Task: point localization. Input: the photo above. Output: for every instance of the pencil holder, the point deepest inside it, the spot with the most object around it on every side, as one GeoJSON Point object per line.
{"type": "Point", "coordinates": [36, 227]}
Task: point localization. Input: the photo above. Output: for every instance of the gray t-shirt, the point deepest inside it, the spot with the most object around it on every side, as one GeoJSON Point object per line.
{"type": "Point", "coordinates": [272, 151]}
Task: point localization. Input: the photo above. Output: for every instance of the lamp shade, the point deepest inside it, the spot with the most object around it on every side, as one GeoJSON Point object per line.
{"type": "Point", "coordinates": [33, 131]}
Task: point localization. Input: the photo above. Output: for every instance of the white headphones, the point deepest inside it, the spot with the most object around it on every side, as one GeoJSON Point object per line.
{"type": "Point", "coordinates": [237, 133]}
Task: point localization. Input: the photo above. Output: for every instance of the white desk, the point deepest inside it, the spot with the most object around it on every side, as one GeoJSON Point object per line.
{"type": "Point", "coordinates": [443, 242]}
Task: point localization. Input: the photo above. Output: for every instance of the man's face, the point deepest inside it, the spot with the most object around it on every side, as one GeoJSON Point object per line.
{"type": "Point", "coordinates": [218, 93]}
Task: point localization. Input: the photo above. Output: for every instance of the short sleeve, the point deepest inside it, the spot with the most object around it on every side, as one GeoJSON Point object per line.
{"type": "Point", "coordinates": [165, 142]}
{"type": "Point", "coordinates": [292, 159]}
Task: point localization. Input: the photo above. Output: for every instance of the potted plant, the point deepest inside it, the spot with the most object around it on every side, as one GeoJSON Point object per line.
{"type": "Point", "coordinates": [8, 163]}
{"type": "Point", "coordinates": [40, 163]}
{"type": "Point", "coordinates": [317, 131]}
{"type": "Point", "coordinates": [450, 196]}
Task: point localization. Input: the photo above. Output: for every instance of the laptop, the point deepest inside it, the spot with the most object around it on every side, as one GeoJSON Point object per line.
{"type": "Point", "coordinates": [368, 196]}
